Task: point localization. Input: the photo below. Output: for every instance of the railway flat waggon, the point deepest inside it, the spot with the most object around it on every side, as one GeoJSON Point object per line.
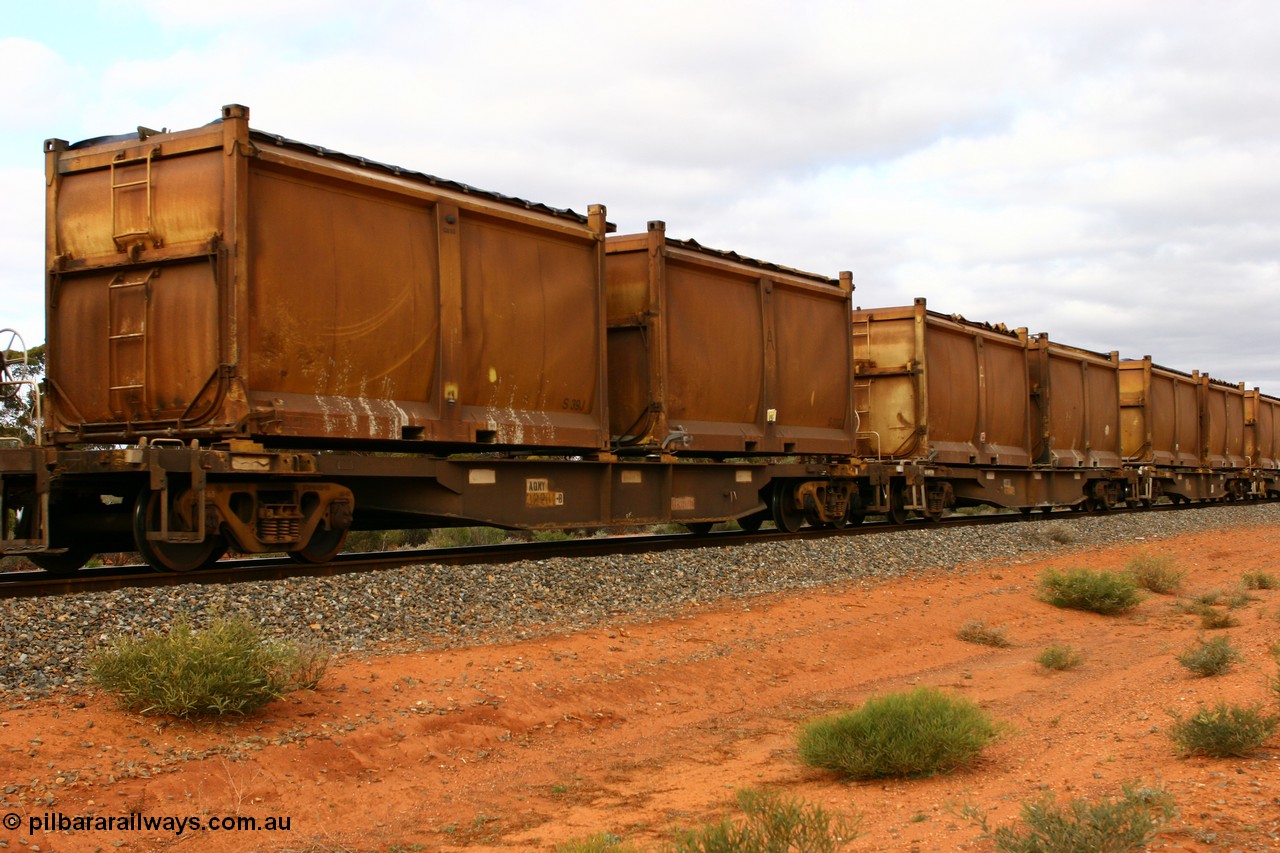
{"type": "Point", "coordinates": [257, 344]}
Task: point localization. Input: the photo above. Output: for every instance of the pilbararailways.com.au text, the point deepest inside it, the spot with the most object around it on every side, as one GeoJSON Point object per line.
{"type": "Point", "coordinates": [135, 822]}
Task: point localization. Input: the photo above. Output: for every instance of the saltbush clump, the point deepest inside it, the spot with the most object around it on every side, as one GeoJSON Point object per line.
{"type": "Point", "coordinates": [1156, 572]}
{"type": "Point", "coordinates": [901, 734]}
{"type": "Point", "coordinates": [977, 631]}
{"type": "Point", "coordinates": [1210, 657]}
{"type": "Point", "coordinates": [1060, 658]}
{"type": "Point", "coordinates": [1108, 593]}
{"type": "Point", "coordinates": [1127, 822]}
{"type": "Point", "coordinates": [227, 668]}
{"type": "Point", "coordinates": [773, 823]}
{"type": "Point", "coordinates": [601, 842]}
{"type": "Point", "coordinates": [1225, 731]}
{"type": "Point", "coordinates": [1259, 580]}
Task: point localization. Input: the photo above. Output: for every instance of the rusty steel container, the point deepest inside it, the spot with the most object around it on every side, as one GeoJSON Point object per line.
{"type": "Point", "coordinates": [710, 352]}
{"type": "Point", "coordinates": [1262, 430]}
{"type": "Point", "coordinates": [224, 282]}
{"type": "Point", "coordinates": [1222, 419]}
{"type": "Point", "coordinates": [937, 388]}
{"type": "Point", "coordinates": [1159, 415]}
{"type": "Point", "coordinates": [1075, 398]}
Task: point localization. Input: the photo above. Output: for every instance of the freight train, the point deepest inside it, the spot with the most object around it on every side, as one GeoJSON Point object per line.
{"type": "Point", "coordinates": [259, 344]}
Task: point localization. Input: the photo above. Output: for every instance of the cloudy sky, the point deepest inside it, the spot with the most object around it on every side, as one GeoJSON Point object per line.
{"type": "Point", "coordinates": [1108, 172]}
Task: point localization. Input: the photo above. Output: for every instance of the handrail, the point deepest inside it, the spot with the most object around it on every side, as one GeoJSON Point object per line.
{"type": "Point", "coordinates": [7, 377]}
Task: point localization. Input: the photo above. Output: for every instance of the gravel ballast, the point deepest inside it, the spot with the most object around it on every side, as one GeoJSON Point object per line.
{"type": "Point", "coordinates": [44, 641]}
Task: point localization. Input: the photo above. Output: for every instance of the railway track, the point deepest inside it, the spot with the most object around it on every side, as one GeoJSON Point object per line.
{"type": "Point", "coordinates": [24, 584]}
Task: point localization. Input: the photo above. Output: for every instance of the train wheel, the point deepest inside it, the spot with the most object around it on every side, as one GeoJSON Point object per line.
{"type": "Point", "coordinates": [897, 504]}
{"type": "Point", "coordinates": [171, 556]}
{"type": "Point", "coordinates": [66, 563]}
{"type": "Point", "coordinates": [786, 515]}
{"type": "Point", "coordinates": [324, 545]}
{"type": "Point", "coordinates": [700, 528]}
{"type": "Point", "coordinates": [751, 523]}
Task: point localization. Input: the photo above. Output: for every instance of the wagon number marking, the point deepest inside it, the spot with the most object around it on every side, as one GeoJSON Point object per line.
{"type": "Point", "coordinates": [537, 492]}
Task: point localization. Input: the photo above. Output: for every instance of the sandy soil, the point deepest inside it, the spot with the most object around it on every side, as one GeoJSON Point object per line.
{"type": "Point", "coordinates": [640, 726]}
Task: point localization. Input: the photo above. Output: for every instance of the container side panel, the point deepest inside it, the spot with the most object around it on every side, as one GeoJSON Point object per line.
{"type": "Point", "coordinates": [1008, 400]}
{"type": "Point", "coordinates": [955, 400]}
{"type": "Point", "coordinates": [1189, 428]}
{"type": "Point", "coordinates": [629, 395]}
{"type": "Point", "coordinates": [1268, 455]}
{"type": "Point", "coordinates": [344, 293]}
{"type": "Point", "coordinates": [714, 329]}
{"type": "Point", "coordinates": [1104, 414]}
{"type": "Point", "coordinates": [1066, 409]}
{"type": "Point", "coordinates": [627, 284]}
{"type": "Point", "coordinates": [532, 335]}
{"type": "Point", "coordinates": [1224, 431]}
{"type": "Point", "coordinates": [1133, 418]}
{"type": "Point", "coordinates": [814, 382]}
{"type": "Point", "coordinates": [1163, 423]}
{"type": "Point", "coordinates": [630, 336]}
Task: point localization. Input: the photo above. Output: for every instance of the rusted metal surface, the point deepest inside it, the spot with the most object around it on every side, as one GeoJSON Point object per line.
{"type": "Point", "coordinates": [939, 388]}
{"type": "Point", "coordinates": [1262, 430]}
{"type": "Point", "coordinates": [1222, 419]}
{"type": "Point", "coordinates": [225, 282]}
{"type": "Point", "coordinates": [711, 352]}
{"type": "Point", "coordinates": [1160, 415]}
{"type": "Point", "coordinates": [1075, 405]}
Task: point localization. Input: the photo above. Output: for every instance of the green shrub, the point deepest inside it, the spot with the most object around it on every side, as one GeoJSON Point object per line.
{"type": "Point", "coordinates": [1210, 657]}
{"type": "Point", "coordinates": [977, 631]}
{"type": "Point", "coordinates": [466, 537]}
{"type": "Point", "coordinates": [900, 734]}
{"type": "Point", "coordinates": [1212, 619]}
{"type": "Point", "coordinates": [601, 842]}
{"type": "Point", "coordinates": [1259, 580]}
{"type": "Point", "coordinates": [1156, 572]}
{"type": "Point", "coordinates": [1060, 658]}
{"type": "Point", "coordinates": [228, 668]}
{"type": "Point", "coordinates": [774, 824]}
{"type": "Point", "coordinates": [1208, 598]}
{"type": "Point", "coordinates": [1127, 822]}
{"type": "Point", "coordinates": [1226, 731]}
{"type": "Point", "coordinates": [1107, 593]}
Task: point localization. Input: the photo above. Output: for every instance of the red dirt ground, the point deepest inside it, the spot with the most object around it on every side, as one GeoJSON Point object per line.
{"type": "Point", "coordinates": [637, 727]}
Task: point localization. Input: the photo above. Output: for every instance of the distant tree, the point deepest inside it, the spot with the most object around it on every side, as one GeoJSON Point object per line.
{"type": "Point", "coordinates": [18, 400]}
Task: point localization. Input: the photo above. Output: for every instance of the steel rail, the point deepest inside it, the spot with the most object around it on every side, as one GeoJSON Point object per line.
{"type": "Point", "coordinates": [26, 584]}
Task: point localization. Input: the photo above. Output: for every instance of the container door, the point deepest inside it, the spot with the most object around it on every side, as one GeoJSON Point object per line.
{"type": "Point", "coordinates": [139, 345]}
